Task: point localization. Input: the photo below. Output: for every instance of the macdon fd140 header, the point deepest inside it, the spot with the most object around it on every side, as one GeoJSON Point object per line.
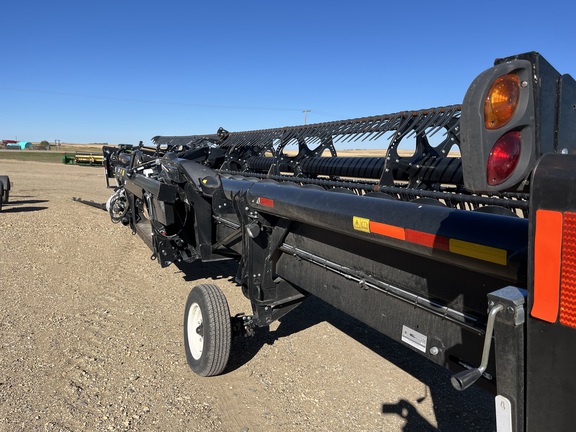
{"type": "Point", "coordinates": [464, 250]}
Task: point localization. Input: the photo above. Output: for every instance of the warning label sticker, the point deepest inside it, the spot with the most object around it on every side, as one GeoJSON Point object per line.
{"type": "Point", "coordinates": [361, 224]}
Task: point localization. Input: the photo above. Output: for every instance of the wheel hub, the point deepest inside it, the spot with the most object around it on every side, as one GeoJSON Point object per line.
{"type": "Point", "coordinates": [195, 331]}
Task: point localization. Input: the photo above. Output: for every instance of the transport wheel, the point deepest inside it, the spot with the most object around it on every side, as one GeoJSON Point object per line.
{"type": "Point", "coordinates": [207, 330]}
{"type": "Point", "coordinates": [6, 184]}
{"type": "Point", "coordinates": [1, 194]}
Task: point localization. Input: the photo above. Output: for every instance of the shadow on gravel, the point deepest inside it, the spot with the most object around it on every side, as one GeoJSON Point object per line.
{"type": "Point", "coordinates": [208, 270]}
{"type": "Point", "coordinates": [23, 205]}
{"type": "Point", "coordinates": [304, 316]}
{"type": "Point", "coordinates": [472, 410]}
{"type": "Point", "coordinates": [20, 202]}
{"type": "Point", "coordinates": [21, 209]}
{"type": "Point", "coordinates": [414, 421]}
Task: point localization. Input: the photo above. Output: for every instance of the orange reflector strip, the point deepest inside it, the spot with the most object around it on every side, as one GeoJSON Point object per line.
{"type": "Point", "coordinates": [387, 230]}
{"type": "Point", "coordinates": [428, 240]}
{"type": "Point", "coordinates": [547, 259]}
{"type": "Point", "coordinates": [568, 285]}
{"type": "Point", "coordinates": [267, 202]}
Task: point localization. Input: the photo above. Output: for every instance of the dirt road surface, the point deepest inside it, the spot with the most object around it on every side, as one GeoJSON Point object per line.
{"type": "Point", "coordinates": [91, 338]}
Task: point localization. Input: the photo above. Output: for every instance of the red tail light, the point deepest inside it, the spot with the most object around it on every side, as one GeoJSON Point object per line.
{"type": "Point", "coordinates": [503, 158]}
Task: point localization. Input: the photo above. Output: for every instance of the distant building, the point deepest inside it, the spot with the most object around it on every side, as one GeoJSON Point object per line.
{"type": "Point", "coordinates": [21, 145]}
{"type": "Point", "coordinates": [4, 143]}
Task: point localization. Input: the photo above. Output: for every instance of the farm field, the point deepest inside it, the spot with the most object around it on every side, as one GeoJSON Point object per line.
{"type": "Point", "coordinates": [56, 155]}
{"type": "Point", "coordinates": [91, 338]}
{"type": "Point", "coordinates": [48, 155]}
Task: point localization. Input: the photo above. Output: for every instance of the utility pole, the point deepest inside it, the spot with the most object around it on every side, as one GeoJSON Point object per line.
{"type": "Point", "coordinates": [305, 114]}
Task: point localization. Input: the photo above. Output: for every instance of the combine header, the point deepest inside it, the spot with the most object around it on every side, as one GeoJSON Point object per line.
{"type": "Point", "coordinates": [83, 158]}
{"type": "Point", "coordinates": [462, 250]}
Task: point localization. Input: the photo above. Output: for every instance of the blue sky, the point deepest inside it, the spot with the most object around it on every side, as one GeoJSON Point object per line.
{"type": "Point", "coordinates": [123, 71]}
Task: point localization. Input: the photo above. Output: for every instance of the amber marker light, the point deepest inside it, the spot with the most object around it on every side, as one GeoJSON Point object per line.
{"type": "Point", "coordinates": [501, 101]}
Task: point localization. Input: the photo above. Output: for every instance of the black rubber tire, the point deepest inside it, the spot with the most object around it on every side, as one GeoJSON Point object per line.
{"type": "Point", "coordinates": [1, 194]}
{"type": "Point", "coordinates": [5, 180]}
{"type": "Point", "coordinates": [207, 330]}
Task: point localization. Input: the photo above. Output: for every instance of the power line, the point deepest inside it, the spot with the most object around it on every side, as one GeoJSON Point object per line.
{"type": "Point", "coordinates": [148, 101]}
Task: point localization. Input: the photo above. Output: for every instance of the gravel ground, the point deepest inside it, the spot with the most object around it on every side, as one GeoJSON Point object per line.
{"type": "Point", "coordinates": [91, 338]}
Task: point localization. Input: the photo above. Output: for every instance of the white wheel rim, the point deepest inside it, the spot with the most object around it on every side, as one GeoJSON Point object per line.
{"type": "Point", "coordinates": [195, 337]}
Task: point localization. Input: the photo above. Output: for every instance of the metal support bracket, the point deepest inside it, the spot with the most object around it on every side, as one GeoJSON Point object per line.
{"type": "Point", "coordinates": [510, 348]}
{"type": "Point", "coordinates": [510, 301]}
{"type": "Point", "coordinates": [242, 325]}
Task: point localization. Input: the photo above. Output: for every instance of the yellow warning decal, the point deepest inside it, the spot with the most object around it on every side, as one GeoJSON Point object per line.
{"type": "Point", "coordinates": [361, 224]}
{"type": "Point", "coordinates": [473, 250]}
